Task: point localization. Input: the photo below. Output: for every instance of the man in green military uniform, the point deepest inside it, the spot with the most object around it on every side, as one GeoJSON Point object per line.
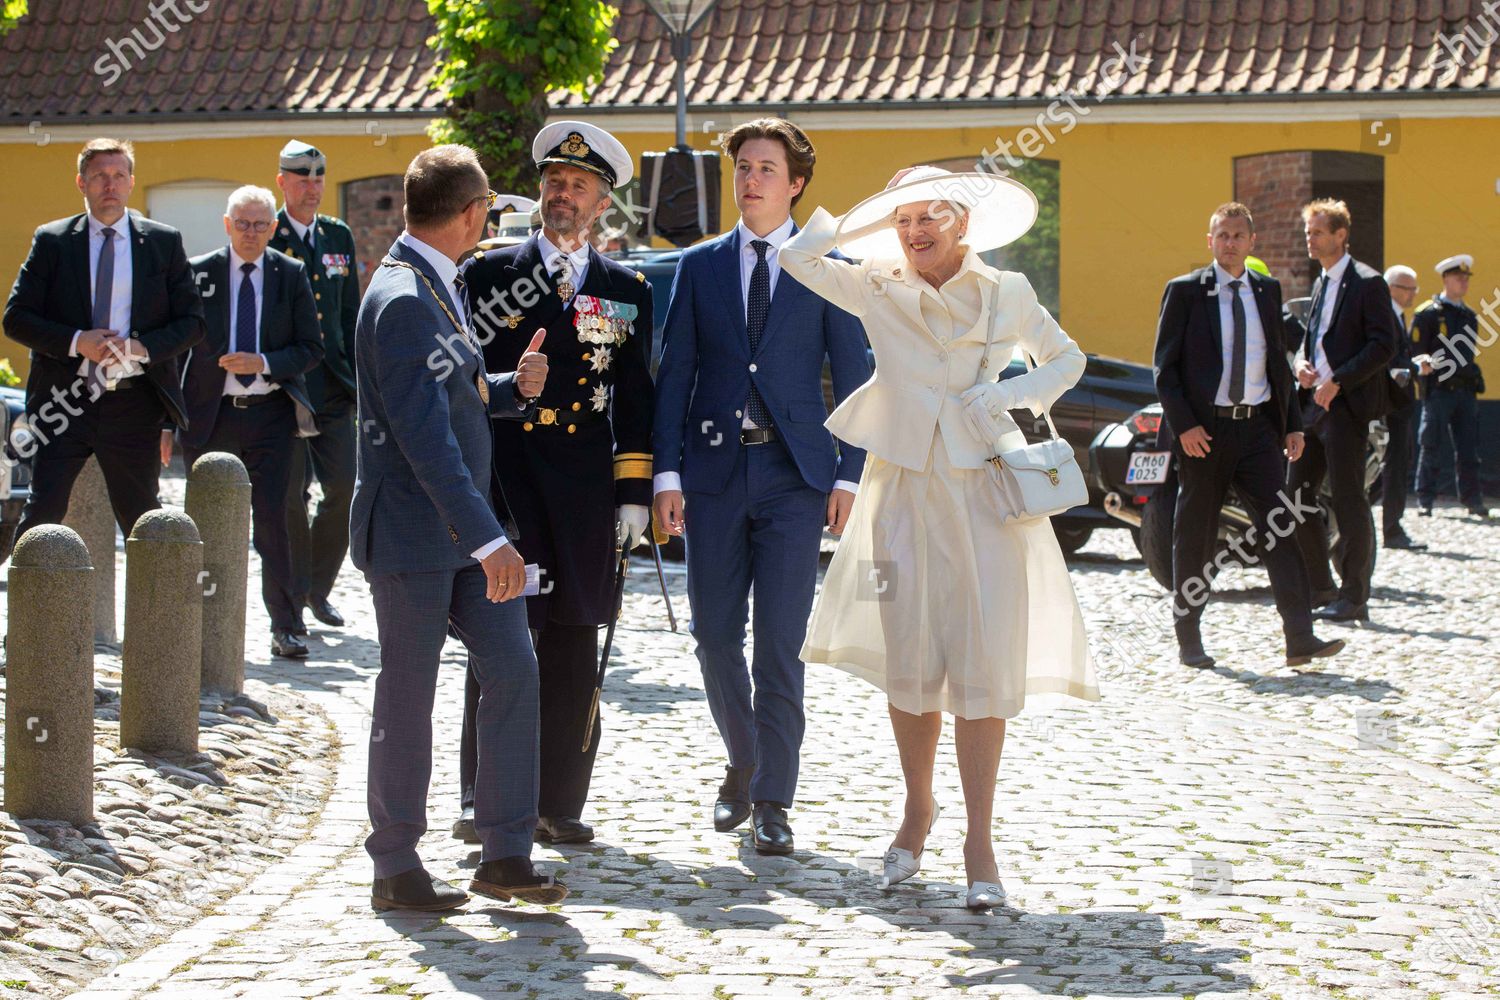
{"type": "Point", "coordinates": [326, 246]}
{"type": "Point", "coordinates": [1443, 334]}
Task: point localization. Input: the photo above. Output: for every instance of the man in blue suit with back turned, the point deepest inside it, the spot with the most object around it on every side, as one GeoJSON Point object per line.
{"type": "Point", "coordinates": [740, 446]}
{"type": "Point", "coordinates": [423, 531]}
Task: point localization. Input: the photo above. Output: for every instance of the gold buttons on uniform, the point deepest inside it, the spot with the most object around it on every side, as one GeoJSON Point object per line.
{"type": "Point", "coordinates": [320, 315]}
{"type": "Point", "coordinates": [586, 355]}
{"type": "Point", "coordinates": [572, 428]}
{"type": "Point", "coordinates": [526, 426]}
{"type": "Point", "coordinates": [583, 381]}
{"type": "Point", "coordinates": [318, 295]}
{"type": "Point", "coordinates": [577, 407]}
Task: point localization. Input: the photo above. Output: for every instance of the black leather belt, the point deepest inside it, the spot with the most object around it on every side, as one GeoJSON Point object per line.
{"type": "Point", "coordinates": [133, 382]}
{"type": "Point", "coordinates": [758, 435]}
{"type": "Point", "coordinates": [244, 402]}
{"type": "Point", "coordinates": [1242, 412]}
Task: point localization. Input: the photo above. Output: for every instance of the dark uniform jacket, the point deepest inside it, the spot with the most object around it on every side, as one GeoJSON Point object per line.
{"type": "Point", "coordinates": [588, 449]}
{"type": "Point", "coordinates": [332, 269]}
{"type": "Point", "coordinates": [1360, 343]}
{"type": "Point", "coordinates": [1447, 331]}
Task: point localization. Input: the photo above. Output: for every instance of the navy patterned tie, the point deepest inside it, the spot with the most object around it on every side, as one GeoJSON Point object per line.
{"type": "Point", "coordinates": [244, 321]}
{"type": "Point", "coordinates": [755, 324]}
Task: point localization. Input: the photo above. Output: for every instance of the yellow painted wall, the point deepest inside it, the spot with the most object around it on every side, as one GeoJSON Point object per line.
{"type": "Point", "coordinates": [1135, 197]}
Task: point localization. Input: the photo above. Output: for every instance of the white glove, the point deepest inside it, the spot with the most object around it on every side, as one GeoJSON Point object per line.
{"type": "Point", "coordinates": [631, 522]}
{"type": "Point", "coordinates": [985, 405]}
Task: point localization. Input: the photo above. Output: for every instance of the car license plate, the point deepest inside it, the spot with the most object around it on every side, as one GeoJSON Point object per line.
{"type": "Point", "coordinates": [1147, 467]}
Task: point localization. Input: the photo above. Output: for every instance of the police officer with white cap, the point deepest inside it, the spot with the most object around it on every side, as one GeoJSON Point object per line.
{"type": "Point", "coordinates": [1444, 333]}
{"type": "Point", "coordinates": [577, 478]}
{"type": "Point", "coordinates": [326, 246]}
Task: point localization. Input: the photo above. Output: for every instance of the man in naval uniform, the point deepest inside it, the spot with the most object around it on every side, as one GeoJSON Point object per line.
{"type": "Point", "coordinates": [1444, 333]}
{"type": "Point", "coordinates": [326, 246]}
{"type": "Point", "coordinates": [577, 477]}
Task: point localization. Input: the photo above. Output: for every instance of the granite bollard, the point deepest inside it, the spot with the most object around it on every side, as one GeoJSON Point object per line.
{"type": "Point", "coordinates": [218, 501]}
{"type": "Point", "coordinates": [163, 652]}
{"type": "Point", "coordinates": [49, 695]}
{"type": "Point", "coordinates": [91, 515]}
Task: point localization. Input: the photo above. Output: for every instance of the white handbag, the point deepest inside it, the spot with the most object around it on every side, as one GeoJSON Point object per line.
{"type": "Point", "coordinates": [1037, 480]}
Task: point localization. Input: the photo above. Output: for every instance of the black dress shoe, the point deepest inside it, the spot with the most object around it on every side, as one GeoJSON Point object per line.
{"type": "Point", "coordinates": [416, 890]}
{"type": "Point", "coordinates": [1322, 597]}
{"type": "Point", "coordinates": [299, 627]}
{"type": "Point", "coordinates": [463, 827]}
{"type": "Point", "coordinates": [733, 804]}
{"type": "Point", "coordinates": [1343, 610]}
{"type": "Point", "coordinates": [1478, 510]}
{"type": "Point", "coordinates": [515, 878]}
{"type": "Point", "coordinates": [1190, 654]}
{"type": "Point", "coordinates": [325, 612]}
{"type": "Point", "coordinates": [1305, 649]}
{"type": "Point", "coordinates": [1424, 511]}
{"type": "Point", "coordinates": [284, 643]}
{"type": "Point", "coordinates": [563, 830]}
{"type": "Point", "coordinates": [1402, 541]}
{"type": "Point", "coordinates": [769, 830]}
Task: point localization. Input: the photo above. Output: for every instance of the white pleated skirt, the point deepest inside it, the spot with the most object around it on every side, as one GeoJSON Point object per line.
{"type": "Point", "coordinates": [944, 608]}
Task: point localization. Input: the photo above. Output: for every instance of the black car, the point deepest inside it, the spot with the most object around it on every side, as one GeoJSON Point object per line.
{"type": "Point", "coordinates": [15, 471]}
{"type": "Point", "coordinates": [1139, 484]}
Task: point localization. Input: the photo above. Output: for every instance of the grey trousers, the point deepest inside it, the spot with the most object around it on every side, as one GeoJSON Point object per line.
{"type": "Point", "coordinates": [413, 612]}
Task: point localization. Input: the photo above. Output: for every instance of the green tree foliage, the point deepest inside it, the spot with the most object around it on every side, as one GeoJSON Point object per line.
{"type": "Point", "coordinates": [499, 61]}
{"type": "Point", "coordinates": [11, 11]}
{"type": "Point", "coordinates": [1037, 254]}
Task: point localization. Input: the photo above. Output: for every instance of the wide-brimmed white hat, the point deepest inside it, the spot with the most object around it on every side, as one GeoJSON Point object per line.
{"type": "Point", "coordinates": [1001, 210]}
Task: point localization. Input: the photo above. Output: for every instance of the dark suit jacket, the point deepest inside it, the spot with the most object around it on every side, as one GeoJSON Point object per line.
{"type": "Point", "coordinates": [51, 301]}
{"type": "Point", "coordinates": [1189, 359]}
{"type": "Point", "coordinates": [1360, 342]}
{"type": "Point", "coordinates": [706, 365]}
{"type": "Point", "coordinates": [290, 339]}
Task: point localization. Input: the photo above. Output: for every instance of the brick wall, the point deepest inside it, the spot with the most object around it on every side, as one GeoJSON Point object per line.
{"type": "Point", "coordinates": [372, 208]}
{"type": "Point", "coordinates": [1275, 186]}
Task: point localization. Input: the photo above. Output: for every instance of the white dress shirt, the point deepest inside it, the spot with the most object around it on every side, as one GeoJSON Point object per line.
{"type": "Point", "coordinates": [671, 480]}
{"type": "Point", "coordinates": [232, 385]}
{"type": "Point", "coordinates": [120, 291]}
{"type": "Point", "coordinates": [1331, 279]}
{"type": "Point", "coordinates": [578, 260]}
{"type": "Point", "coordinates": [1257, 388]}
{"type": "Point", "coordinates": [447, 272]}
{"type": "Point", "coordinates": [306, 234]}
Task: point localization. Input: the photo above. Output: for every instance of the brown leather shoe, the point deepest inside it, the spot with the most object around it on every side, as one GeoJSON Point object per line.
{"type": "Point", "coordinates": [416, 890]}
{"type": "Point", "coordinates": [515, 878]}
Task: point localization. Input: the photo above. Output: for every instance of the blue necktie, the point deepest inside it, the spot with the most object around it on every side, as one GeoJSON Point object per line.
{"type": "Point", "coordinates": [755, 324]}
{"type": "Point", "coordinates": [244, 321]}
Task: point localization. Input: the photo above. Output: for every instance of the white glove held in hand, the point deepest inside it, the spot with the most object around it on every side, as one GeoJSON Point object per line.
{"type": "Point", "coordinates": [631, 522]}
{"type": "Point", "coordinates": [985, 405]}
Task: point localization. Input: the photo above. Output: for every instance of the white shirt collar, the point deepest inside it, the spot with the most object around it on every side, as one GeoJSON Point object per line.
{"type": "Point", "coordinates": [236, 261]}
{"type": "Point", "coordinates": [1443, 297]}
{"type": "Point", "coordinates": [1336, 272]}
{"type": "Point", "coordinates": [301, 230]}
{"type": "Point", "coordinates": [445, 268]}
{"type": "Point", "coordinates": [775, 237]}
{"type": "Point", "coordinates": [1224, 277]}
{"type": "Point", "coordinates": [120, 227]}
{"type": "Point", "coordinates": [578, 257]}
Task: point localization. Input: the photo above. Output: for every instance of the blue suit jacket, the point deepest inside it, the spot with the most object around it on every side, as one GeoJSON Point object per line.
{"type": "Point", "coordinates": [422, 489]}
{"type": "Point", "coordinates": [706, 371]}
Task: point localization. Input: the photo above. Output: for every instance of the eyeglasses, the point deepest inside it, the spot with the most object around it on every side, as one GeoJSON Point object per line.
{"type": "Point", "coordinates": [245, 225]}
{"type": "Point", "coordinates": [489, 198]}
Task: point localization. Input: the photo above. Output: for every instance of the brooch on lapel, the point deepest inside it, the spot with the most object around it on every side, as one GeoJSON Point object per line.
{"type": "Point", "coordinates": [603, 321]}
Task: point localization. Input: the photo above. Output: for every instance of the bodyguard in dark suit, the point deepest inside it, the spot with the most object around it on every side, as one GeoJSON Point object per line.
{"type": "Point", "coordinates": [1343, 372]}
{"type": "Point", "coordinates": [578, 475]}
{"type": "Point", "coordinates": [243, 384]}
{"type": "Point", "coordinates": [743, 456]}
{"type": "Point", "coordinates": [424, 533]}
{"type": "Point", "coordinates": [106, 303]}
{"type": "Point", "coordinates": [1226, 391]}
{"type": "Point", "coordinates": [326, 246]}
{"type": "Point", "coordinates": [1400, 433]}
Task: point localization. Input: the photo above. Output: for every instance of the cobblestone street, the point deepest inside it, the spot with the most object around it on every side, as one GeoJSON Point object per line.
{"type": "Point", "coordinates": [1245, 830]}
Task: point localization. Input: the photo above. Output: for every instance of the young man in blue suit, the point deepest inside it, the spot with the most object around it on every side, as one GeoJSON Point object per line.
{"type": "Point", "coordinates": [740, 447]}
{"type": "Point", "coordinates": [424, 533]}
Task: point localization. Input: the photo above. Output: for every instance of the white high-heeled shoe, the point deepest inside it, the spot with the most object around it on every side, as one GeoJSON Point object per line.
{"type": "Point", "coordinates": [901, 864]}
{"type": "Point", "coordinates": [985, 896]}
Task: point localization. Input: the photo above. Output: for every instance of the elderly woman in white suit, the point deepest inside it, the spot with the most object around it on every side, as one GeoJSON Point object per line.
{"type": "Point", "coordinates": [938, 594]}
